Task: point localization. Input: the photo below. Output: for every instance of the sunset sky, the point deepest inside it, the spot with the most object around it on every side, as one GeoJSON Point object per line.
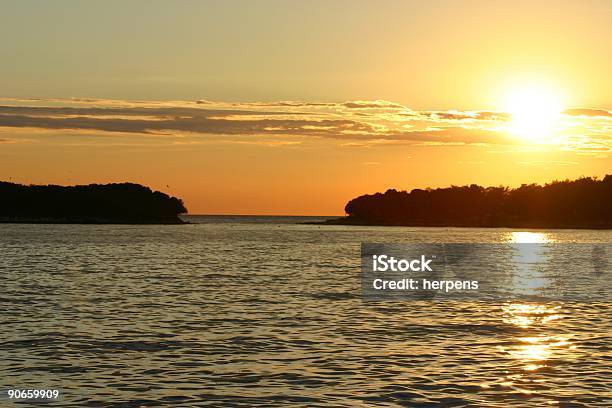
{"type": "Point", "coordinates": [286, 107]}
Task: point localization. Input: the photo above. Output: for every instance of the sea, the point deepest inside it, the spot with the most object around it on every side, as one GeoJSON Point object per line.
{"type": "Point", "coordinates": [244, 311]}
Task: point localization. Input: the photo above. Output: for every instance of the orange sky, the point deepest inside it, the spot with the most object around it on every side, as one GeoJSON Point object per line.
{"type": "Point", "coordinates": [288, 158]}
{"type": "Point", "coordinates": [291, 108]}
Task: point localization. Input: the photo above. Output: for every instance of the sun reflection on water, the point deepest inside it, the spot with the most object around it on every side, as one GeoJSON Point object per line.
{"type": "Point", "coordinates": [536, 351]}
{"type": "Point", "coordinates": [525, 315]}
{"type": "Point", "coordinates": [533, 350]}
{"type": "Point", "coordinates": [524, 237]}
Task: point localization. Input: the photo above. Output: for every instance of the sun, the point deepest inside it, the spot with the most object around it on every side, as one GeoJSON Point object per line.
{"type": "Point", "coordinates": [535, 112]}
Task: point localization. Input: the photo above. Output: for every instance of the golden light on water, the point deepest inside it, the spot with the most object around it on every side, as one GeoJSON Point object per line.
{"type": "Point", "coordinates": [533, 367]}
{"type": "Point", "coordinates": [523, 237]}
{"type": "Point", "coordinates": [535, 351]}
{"type": "Point", "coordinates": [538, 348]}
{"type": "Point", "coordinates": [527, 259]}
{"type": "Point", "coordinates": [535, 112]}
{"type": "Point", "coordinates": [526, 315]}
{"type": "Point", "coordinates": [532, 352]}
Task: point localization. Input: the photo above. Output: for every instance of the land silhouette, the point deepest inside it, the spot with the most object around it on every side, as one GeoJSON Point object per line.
{"type": "Point", "coordinates": [580, 203]}
{"type": "Point", "coordinates": [122, 203]}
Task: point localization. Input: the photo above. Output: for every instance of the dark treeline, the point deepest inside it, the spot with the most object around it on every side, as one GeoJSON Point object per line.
{"type": "Point", "coordinates": [124, 203]}
{"type": "Point", "coordinates": [581, 203]}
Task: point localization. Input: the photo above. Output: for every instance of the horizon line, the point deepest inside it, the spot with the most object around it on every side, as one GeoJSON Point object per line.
{"type": "Point", "coordinates": [260, 215]}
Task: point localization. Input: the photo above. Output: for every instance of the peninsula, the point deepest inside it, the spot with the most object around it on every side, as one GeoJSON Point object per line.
{"type": "Point", "coordinates": [123, 203]}
{"type": "Point", "coordinates": [580, 203]}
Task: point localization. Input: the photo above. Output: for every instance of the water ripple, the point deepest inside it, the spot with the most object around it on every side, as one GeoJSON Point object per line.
{"type": "Point", "coordinates": [261, 314]}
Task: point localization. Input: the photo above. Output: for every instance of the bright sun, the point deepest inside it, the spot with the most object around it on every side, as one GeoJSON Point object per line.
{"type": "Point", "coordinates": [534, 111]}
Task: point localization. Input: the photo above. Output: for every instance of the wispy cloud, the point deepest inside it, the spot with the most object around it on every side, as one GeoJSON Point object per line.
{"type": "Point", "coordinates": [357, 123]}
{"type": "Point", "coordinates": [588, 112]}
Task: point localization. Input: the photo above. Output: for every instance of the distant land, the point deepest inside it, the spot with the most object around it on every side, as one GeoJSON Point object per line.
{"type": "Point", "coordinates": [123, 203]}
{"type": "Point", "coordinates": [582, 203]}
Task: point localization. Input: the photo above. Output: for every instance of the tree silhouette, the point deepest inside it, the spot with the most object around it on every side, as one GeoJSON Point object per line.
{"type": "Point", "coordinates": [93, 203]}
{"type": "Point", "coordinates": [581, 203]}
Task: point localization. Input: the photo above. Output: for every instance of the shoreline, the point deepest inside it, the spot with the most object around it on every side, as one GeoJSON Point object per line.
{"type": "Point", "coordinates": [350, 222]}
{"type": "Point", "coordinates": [91, 222]}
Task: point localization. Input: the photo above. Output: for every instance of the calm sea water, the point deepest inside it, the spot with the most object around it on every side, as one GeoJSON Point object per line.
{"type": "Point", "coordinates": [262, 311]}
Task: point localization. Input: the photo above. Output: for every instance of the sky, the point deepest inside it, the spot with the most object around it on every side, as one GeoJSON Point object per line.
{"type": "Point", "coordinates": [286, 107]}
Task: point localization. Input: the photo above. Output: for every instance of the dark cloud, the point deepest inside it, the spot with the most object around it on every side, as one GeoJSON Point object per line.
{"type": "Point", "coordinates": [138, 120]}
{"type": "Point", "coordinates": [130, 111]}
{"type": "Point", "coordinates": [290, 104]}
{"type": "Point", "coordinates": [282, 104]}
{"type": "Point", "coordinates": [372, 105]}
{"type": "Point", "coordinates": [297, 104]}
{"type": "Point", "coordinates": [588, 112]}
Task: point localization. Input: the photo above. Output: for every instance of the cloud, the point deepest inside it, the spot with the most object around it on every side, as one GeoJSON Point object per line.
{"type": "Point", "coordinates": [290, 104]}
{"type": "Point", "coordinates": [166, 121]}
{"type": "Point", "coordinates": [466, 116]}
{"type": "Point", "coordinates": [488, 115]}
{"type": "Point", "coordinates": [443, 135]}
{"type": "Point", "coordinates": [356, 123]}
{"type": "Point", "coordinates": [450, 136]}
{"type": "Point", "coordinates": [588, 112]}
{"type": "Point", "coordinates": [378, 104]}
